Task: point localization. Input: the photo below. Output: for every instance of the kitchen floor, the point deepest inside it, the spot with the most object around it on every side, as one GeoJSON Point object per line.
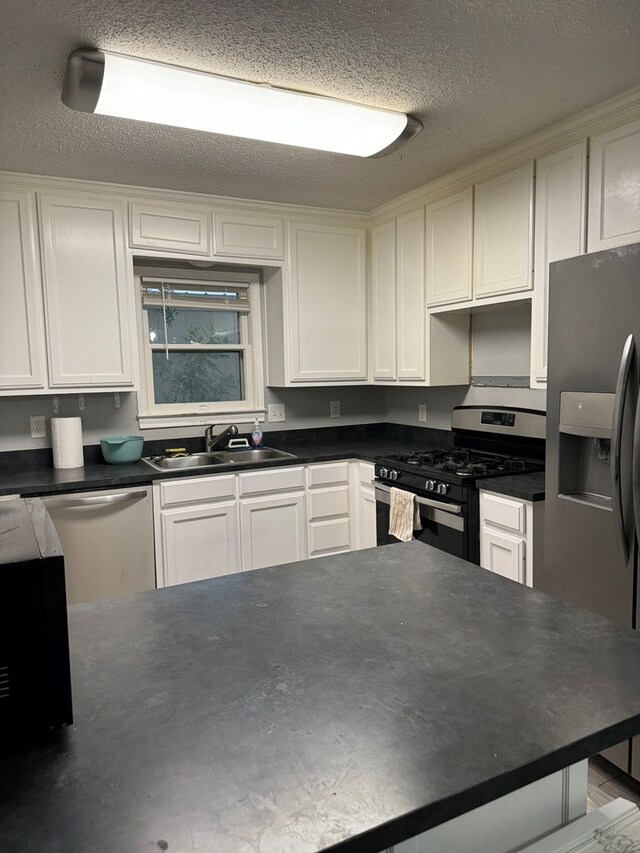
{"type": "Point", "coordinates": [606, 782]}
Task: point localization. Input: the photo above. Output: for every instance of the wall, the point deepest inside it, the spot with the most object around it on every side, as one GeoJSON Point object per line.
{"type": "Point", "coordinates": [501, 345]}
{"type": "Point", "coordinates": [305, 407]}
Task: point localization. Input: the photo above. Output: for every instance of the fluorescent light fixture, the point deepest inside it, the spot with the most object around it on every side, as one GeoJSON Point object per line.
{"type": "Point", "coordinates": [97, 81]}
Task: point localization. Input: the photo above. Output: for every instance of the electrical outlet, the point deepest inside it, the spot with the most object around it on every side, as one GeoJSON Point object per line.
{"type": "Point", "coordinates": [422, 413]}
{"type": "Point", "coordinates": [38, 426]}
{"type": "Point", "coordinates": [276, 412]}
{"type": "Point", "coordinates": [334, 408]}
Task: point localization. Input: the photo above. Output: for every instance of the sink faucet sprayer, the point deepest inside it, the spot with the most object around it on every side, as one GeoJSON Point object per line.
{"type": "Point", "coordinates": [211, 441]}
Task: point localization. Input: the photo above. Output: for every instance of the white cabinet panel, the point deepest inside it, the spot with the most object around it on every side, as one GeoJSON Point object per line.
{"type": "Point", "coordinates": [503, 233]}
{"type": "Point", "coordinates": [194, 489]}
{"type": "Point", "coordinates": [502, 554]}
{"type": "Point", "coordinates": [411, 296]}
{"type": "Point", "coordinates": [199, 542]}
{"type": "Point", "coordinates": [88, 292]}
{"type": "Point", "coordinates": [326, 502]}
{"type": "Point", "coordinates": [367, 517]}
{"type": "Point", "coordinates": [248, 236]}
{"type": "Point", "coordinates": [614, 179]}
{"type": "Point", "coordinates": [273, 530]}
{"type": "Point", "coordinates": [271, 480]}
{"type": "Point", "coordinates": [329, 537]}
{"type": "Point", "coordinates": [174, 229]}
{"type": "Point", "coordinates": [383, 301]}
{"type": "Point", "coordinates": [22, 342]}
{"type": "Point", "coordinates": [449, 249]}
{"type": "Point", "coordinates": [328, 316]}
{"type": "Point", "coordinates": [326, 473]}
{"type": "Point", "coordinates": [503, 511]}
{"type": "Point", "coordinates": [560, 222]}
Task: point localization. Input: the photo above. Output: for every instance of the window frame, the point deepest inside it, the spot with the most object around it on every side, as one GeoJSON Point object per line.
{"type": "Point", "coordinates": [157, 415]}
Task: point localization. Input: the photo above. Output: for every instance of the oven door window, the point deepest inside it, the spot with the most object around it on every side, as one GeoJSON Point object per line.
{"type": "Point", "coordinates": [443, 530]}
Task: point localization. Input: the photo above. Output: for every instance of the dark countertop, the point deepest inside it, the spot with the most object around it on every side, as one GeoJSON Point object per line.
{"type": "Point", "coordinates": [15, 478]}
{"type": "Point", "coordinates": [529, 487]}
{"type": "Point", "coordinates": [345, 704]}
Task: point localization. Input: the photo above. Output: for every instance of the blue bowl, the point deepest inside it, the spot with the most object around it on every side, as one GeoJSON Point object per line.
{"type": "Point", "coordinates": [118, 449]}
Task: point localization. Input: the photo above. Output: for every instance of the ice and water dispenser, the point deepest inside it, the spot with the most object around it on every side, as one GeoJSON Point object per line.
{"type": "Point", "coordinates": [584, 472]}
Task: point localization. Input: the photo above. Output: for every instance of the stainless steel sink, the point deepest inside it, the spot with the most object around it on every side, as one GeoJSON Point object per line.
{"type": "Point", "coordinates": [213, 460]}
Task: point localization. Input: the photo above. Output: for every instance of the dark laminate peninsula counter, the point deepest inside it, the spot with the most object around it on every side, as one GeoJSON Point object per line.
{"type": "Point", "coordinates": [345, 703]}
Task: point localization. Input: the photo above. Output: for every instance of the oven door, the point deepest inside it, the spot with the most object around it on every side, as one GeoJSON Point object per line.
{"type": "Point", "coordinates": [442, 522]}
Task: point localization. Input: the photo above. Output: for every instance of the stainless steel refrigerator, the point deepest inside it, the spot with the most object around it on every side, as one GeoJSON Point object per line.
{"type": "Point", "coordinates": [592, 510]}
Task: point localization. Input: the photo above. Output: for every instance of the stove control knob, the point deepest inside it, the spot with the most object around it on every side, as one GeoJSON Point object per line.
{"type": "Point", "coordinates": [384, 472]}
{"type": "Point", "coordinates": [442, 488]}
{"type": "Point", "coordinates": [393, 475]}
{"type": "Point", "coordinates": [430, 485]}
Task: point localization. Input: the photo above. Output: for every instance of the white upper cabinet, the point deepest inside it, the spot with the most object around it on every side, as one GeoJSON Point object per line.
{"type": "Point", "coordinates": [503, 233]}
{"type": "Point", "coordinates": [614, 181]}
{"type": "Point", "coordinates": [383, 301]}
{"type": "Point", "coordinates": [411, 296]}
{"type": "Point", "coordinates": [560, 229]}
{"type": "Point", "coordinates": [88, 292]}
{"type": "Point", "coordinates": [245, 236]}
{"type": "Point", "coordinates": [172, 229]}
{"type": "Point", "coordinates": [328, 306]}
{"type": "Point", "coordinates": [449, 249]}
{"type": "Point", "coordinates": [22, 363]}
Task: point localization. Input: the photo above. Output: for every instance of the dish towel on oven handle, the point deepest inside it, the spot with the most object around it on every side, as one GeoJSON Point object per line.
{"type": "Point", "coordinates": [404, 515]}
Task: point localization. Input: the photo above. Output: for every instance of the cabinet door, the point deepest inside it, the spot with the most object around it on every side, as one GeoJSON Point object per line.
{"type": "Point", "coordinates": [22, 343]}
{"type": "Point", "coordinates": [272, 530]}
{"type": "Point", "coordinates": [367, 517]}
{"type": "Point", "coordinates": [450, 249]}
{"type": "Point", "coordinates": [328, 318]}
{"type": "Point", "coordinates": [174, 229]}
{"type": "Point", "coordinates": [383, 301]}
{"type": "Point", "coordinates": [614, 178]}
{"type": "Point", "coordinates": [245, 236]}
{"type": "Point", "coordinates": [88, 292]}
{"type": "Point", "coordinates": [412, 308]}
{"type": "Point", "coordinates": [199, 542]}
{"type": "Point", "coordinates": [503, 233]}
{"type": "Point", "coordinates": [560, 222]}
{"type": "Point", "coordinates": [502, 554]}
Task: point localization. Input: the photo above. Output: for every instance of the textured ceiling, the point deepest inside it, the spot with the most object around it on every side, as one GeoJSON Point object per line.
{"type": "Point", "coordinates": [479, 73]}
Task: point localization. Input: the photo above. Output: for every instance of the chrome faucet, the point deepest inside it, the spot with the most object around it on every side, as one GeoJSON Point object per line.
{"type": "Point", "coordinates": [212, 441]}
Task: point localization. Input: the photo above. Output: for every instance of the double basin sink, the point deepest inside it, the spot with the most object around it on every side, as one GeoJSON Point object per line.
{"type": "Point", "coordinates": [217, 458]}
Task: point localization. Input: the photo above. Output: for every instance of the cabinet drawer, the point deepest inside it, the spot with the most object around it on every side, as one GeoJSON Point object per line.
{"type": "Point", "coordinates": [248, 236]}
{"type": "Point", "coordinates": [197, 489]}
{"type": "Point", "coordinates": [502, 554]}
{"type": "Point", "coordinates": [324, 503]}
{"type": "Point", "coordinates": [272, 480]}
{"type": "Point", "coordinates": [323, 475]}
{"type": "Point", "coordinates": [175, 229]}
{"type": "Point", "coordinates": [366, 473]}
{"type": "Point", "coordinates": [504, 512]}
{"type": "Point", "coordinates": [329, 537]}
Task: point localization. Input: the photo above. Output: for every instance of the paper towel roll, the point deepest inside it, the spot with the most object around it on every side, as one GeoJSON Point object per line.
{"type": "Point", "coordinates": [66, 439]}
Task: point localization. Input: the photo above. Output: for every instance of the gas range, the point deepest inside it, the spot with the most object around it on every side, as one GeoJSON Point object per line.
{"type": "Point", "coordinates": [457, 465]}
{"type": "Point", "coordinates": [487, 442]}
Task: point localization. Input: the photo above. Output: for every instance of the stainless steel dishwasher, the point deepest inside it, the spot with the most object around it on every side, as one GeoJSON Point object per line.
{"type": "Point", "coordinates": [107, 540]}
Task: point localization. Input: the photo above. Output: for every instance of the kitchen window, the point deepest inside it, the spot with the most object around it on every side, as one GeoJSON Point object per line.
{"type": "Point", "coordinates": [200, 348]}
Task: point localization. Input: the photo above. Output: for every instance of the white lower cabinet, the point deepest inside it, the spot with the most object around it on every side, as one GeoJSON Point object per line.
{"type": "Point", "coordinates": [199, 542]}
{"type": "Point", "coordinates": [219, 524]}
{"type": "Point", "coordinates": [328, 508]}
{"type": "Point", "coordinates": [272, 530]}
{"type": "Point", "coordinates": [511, 535]}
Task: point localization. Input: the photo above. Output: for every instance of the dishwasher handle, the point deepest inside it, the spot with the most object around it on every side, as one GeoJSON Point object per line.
{"type": "Point", "coordinates": [95, 500]}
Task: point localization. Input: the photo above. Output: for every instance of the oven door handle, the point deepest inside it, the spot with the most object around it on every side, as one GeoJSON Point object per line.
{"type": "Point", "coordinates": [443, 506]}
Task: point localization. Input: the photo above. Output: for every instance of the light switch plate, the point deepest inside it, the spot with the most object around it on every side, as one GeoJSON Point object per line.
{"type": "Point", "coordinates": [334, 408]}
{"type": "Point", "coordinates": [276, 413]}
{"type": "Point", "coordinates": [422, 413]}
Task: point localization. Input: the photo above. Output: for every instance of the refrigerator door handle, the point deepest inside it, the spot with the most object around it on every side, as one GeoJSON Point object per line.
{"type": "Point", "coordinates": [635, 470]}
{"type": "Point", "coordinates": [622, 386]}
